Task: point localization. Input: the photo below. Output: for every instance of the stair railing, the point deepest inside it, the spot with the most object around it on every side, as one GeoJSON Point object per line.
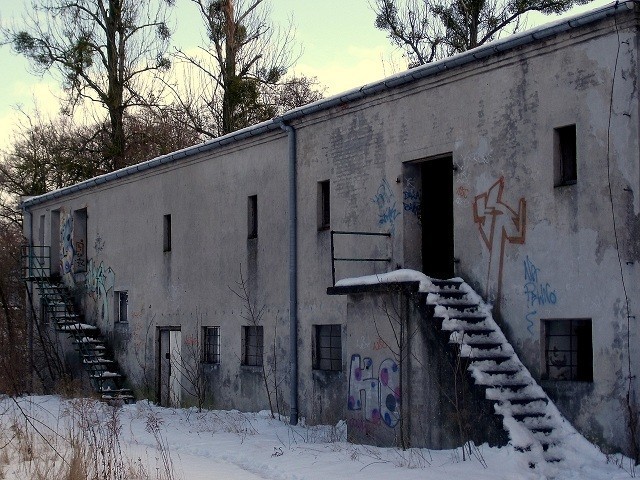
{"type": "Point", "coordinates": [335, 259]}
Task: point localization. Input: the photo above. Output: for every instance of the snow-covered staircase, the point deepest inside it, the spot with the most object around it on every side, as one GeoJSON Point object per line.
{"type": "Point", "coordinates": [534, 425]}
{"type": "Point", "coordinates": [60, 311]}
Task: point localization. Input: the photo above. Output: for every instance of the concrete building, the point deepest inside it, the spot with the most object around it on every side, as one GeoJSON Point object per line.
{"type": "Point", "coordinates": [514, 166]}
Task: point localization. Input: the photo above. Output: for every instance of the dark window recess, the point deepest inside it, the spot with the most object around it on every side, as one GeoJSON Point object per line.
{"type": "Point", "coordinates": [252, 216]}
{"type": "Point", "coordinates": [211, 345]}
{"type": "Point", "coordinates": [166, 235]}
{"type": "Point", "coordinates": [568, 350]}
{"type": "Point", "coordinates": [324, 205]}
{"type": "Point", "coordinates": [327, 352]}
{"type": "Point", "coordinates": [565, 156]}
{"type": "Point", "coordinates": [252, 345]}
{"type": "Point", "coordinates": [123, 307]}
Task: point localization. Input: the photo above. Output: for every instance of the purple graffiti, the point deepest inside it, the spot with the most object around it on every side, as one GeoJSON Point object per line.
{"type": "Point", "coordinates": [381, 395]}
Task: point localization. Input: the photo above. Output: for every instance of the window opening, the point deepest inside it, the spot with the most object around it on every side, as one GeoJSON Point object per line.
{"type": "Point", "coordinates": [211, 345]}
{"type": "Point", "coordinates": [252, 216]}
{"type": "Point", "coordinates": [328, 347]}
{"type": "Point", "coordinates": [167, 233]}
{"type": "Point", "coordinates": [324, 205]}
{"type": "Point", "coordinates": [123, 307]}
{"type": "Point", "coordinates": [568, 350]}
{"type": "Point", "coordinates": [252, 345]}
{"type": "Point", "coordinates": [565, 156]}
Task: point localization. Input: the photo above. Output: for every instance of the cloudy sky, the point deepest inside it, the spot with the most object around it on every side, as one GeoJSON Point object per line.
{"type": "Point", "coordinates": [341, 47]}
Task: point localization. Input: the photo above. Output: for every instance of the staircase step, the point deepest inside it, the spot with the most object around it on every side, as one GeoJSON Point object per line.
{"type": "Point", "coordinates": [105, 375]}
{"type": "Point", "coordinates": [461, 307]}
{"type": "Point", "coordinates": [448, 294]}
{"type": "Point", "coordinates": [521, 416]}
{"type": "Point", "coordinates": [447, 283]}
{"type": "Point", "coordinates": [481, 356]}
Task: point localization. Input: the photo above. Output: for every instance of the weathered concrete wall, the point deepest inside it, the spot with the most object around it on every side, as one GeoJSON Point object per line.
{"type": "Point", "coordinates": [536, 251]}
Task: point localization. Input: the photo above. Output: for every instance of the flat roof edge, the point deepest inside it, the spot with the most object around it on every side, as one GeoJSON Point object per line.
{"type": "Point", "coordinates": [388, 83]}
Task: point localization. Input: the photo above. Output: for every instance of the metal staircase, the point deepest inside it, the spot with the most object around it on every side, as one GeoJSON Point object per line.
{"type": "Point", "coordinates": [59, 311]}
{"type": "Point", "coordinates": [534, 424]}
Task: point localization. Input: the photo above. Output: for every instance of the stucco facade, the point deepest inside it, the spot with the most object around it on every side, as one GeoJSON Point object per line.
{"type": "Point", "coordinates": [478, 137]}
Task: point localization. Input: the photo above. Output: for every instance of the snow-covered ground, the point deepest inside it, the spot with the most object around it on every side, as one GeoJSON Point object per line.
{"type": "Point", "coordinates": [232, 445]}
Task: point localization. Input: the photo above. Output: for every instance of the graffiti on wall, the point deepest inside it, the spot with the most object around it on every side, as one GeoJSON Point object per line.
{"type": "Point", "coordinates": [381, 394]}
{"type": "Point", "coordinates": [387, 210]}
{"type": "Point", "coordinates": [99, 282]}
{"type": "Point", "coordinates": [66, 241]}
{"type": "Point", "coordinates": [411, 198]}
{"type": "Point", "coordinates": [498, 224]}
{"type": "Point", "coordinates": [537, 291]}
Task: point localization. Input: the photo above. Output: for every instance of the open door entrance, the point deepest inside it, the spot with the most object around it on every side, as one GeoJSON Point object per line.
{"type": "Point", "coordinates": [169, 390]}
{"type": "Point", "coordinates": [437, 217]}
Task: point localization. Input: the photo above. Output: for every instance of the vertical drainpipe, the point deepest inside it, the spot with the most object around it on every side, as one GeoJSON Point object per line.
{"type": "Point", "coordinates": [29, 286]}
{"type": "Point", "coordinates": [293, 273]}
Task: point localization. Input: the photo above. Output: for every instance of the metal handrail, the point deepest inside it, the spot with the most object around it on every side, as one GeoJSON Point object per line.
{"type": "Point", "coordinates": [34, 264]}
{"type": "Point", "coordinates": [335, 259]}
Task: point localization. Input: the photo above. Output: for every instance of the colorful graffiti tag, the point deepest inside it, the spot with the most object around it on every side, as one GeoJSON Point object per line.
{"type": "Point", "coordinates": [498, 224]}
{"type": "Point", "coordinates": [381, 394]}
{"type": "Point", "coordinates": [99, 281]}
{"type": "Point", "coordinates": [66, 241]}
{"type": "Point", "coordinates": [387, 210]}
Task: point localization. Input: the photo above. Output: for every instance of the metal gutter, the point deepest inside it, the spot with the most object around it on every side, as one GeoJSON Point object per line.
{"type": "Point", "coordinates": [403, 78]}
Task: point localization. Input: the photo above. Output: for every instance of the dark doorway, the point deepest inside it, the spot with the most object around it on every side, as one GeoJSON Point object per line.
{"type": "Point", "coordinates": [437, 217]}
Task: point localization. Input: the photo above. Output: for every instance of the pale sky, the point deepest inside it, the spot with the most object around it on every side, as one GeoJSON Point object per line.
{"type": "Point", "coordinates": [341, 47]}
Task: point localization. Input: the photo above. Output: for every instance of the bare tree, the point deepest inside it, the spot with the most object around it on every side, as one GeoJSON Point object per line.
{"type": "Point", "coordinates": [238, 77]}
{"type": "Point", "coordinates": [102, 51]}
{"type": "Point", "coordinates": [429, 30]}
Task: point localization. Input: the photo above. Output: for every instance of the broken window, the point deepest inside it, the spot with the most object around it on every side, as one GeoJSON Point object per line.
{"type": "Point", "coordinates": [565, 159]}
{"type": "Point", "coordinates": [211, 345]}
{"type": "Point", "coordinates": [568, 350]}
{"type": "Point", "coordinates": [327, 352]}
{"type": "Point", "coordinates": [252, 345]}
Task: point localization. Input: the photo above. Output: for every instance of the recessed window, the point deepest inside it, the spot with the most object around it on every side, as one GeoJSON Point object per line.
{"type": "Point", "coordinates": [166, 233]}
{"type": "Point", "coordinates": [568, 350]}
{"type": "Point", "coordinates": [324, 205]}
{"type": "Point", "coordinates": [327, 352]}
{"type": "Point", "coordinates": [211, 345]}
{"type": "Point", "coordinates": [80, 240]}
{"type": "Point", "coordinates": [565, 159]}
{"type": "Point", "coordinates": [122, 301]}
{"type": "Point", "coordinates": [252, 345]}
{"type": "Point", "coordinates": [252, 216]}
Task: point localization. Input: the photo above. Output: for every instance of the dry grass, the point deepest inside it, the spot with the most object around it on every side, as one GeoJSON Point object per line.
{"type": "Point", "coordinates": [85, 445]}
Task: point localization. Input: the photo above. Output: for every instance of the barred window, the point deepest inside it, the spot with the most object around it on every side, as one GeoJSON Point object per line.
{"type": "Point", "coordinates": [252, 345]}
{"type": "Point", "coordinates": [328, 347]}
{"type": "Point", "coordinates": [568, 350]}
{"type": "Point", "coordinates": [211, 345]}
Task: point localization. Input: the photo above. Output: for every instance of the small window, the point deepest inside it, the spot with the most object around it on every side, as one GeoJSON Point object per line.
{"type": "Point", "coordinates": [122, 299]}
{"type": "Point", "coordinates": [252, 343]}
{"type": "Point", "coordinates": [565, 160]}
{"type": "Point", "coordinates": [166, 235]}
{"type": "Point", "coordinates": [327, 352]}
{"type": "Point", "coordinates": [568, 350]}
{"type": "Point", "coordinates": [324, 205]}
{"type": "Point", "coordinates": [252, 216]}
{"type": "Point", "coordinates": [211, 345]}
